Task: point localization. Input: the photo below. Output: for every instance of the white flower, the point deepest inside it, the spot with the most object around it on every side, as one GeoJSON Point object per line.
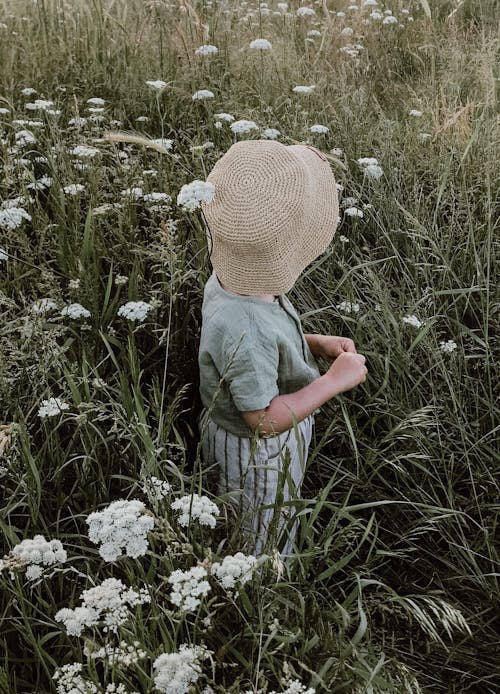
{"type": "Point", "coordinates": [15, 202]}
{"type": "Point", "coordinates": [39, 105]}
{"type": "Point", "coordinates": [158, 85]}
{"type": "Point", "coordinates": [37, 553]}
{"type": "Point", "coordinates": [348, 307]}
{"type": "Point", "coordinates": [353, 212]}
{"type": "Point", "coordinates": [349, 202]}
{"type": "Point", "coordinates": [234, 569]}
{"type": "Point", "coordinates": [33, 572]}
{"type": "Point", "coordinates": [75, 311]}
{"type": "Point", "coordinates": [41, 184]}
{"type": "Point", "coordinates": [191, 194]}
{"type": "Point", "coordinates": [448, 346]}
{"type": "Point", "coordinates": [224, 116]}
{"type": "Point", "coordinates": [188, 587]}
{"type": "Point", "coordinates": [132, 193]}
{"type": "Point", "coordinates": [106, 208]}
{"type": "Point", "coordinates": [243, 126]}
{"type": "Point", "coordinates": [202, 94]}
{"type": "Point", "coordinates": [352, 51]}
{"type": "Point", "coordinates": [304, 89]}
{"type": "Point", "coordinates": [412, 320]}
{"type": "Point", "coordinates": [158, 198]}
{"type": "Point", "coordinates": [415, 112]}
{"type": "Point", "coordinates": [201, 148]}
{"type": "Point", "coordinates": [270, 133]}
{"type": "Point", "coordinates": [314, 32]}
{"type": "Point", "coordinates": [12, 217]}
{"type": "Point", "coordinates": [123, 654]}
{"type": "Point", "coordinates": [156, 489]}
{"type": "Point", "coordinates": [373, 171]}
{"type": "Point", "coordinates": [164, 142]}
{"type": "Point", "coordinates": [261, 44]}
{"type": "Point", "coordinates": [51, 407]}
{"type": "Point", "coordinates": [78, 121]}
{"type": "Point", "coordinates": [390, 19]}
{"type": "Point", "coordinates": [70, 681]}
{"type": "Point", "coordinates": [376, 16]}
{"type": "Point", "coordinates": [96, 101]}
{"type": "Point", "coordinates": [43, 305]}
{"type": "Point", "coordinates": [305, 12]}
{"type": "Point", "coordinates": [206, 49]}
{"type": "Point", "coordinates": [337, 152]}
{"type": "Point", "coordinates": [120, 280]}
{"type": "Point", "coordinates": [347, 31]}
{"type": "Point", "coordinates": [28, 91]}
{"type": "Point", "coordinates": [367, 161]}
{"type": "Point", "coordinates": [109, 601]}
{"type": "Point", "coordinates": [344, 239]}
{"type": "Point", "coordinates": [32, 123]}
{"type": "Point", "coordinates": [175, 673]}
{"type": "Point", "coordinates": [134, 310]}
{"type": "Point", "coordinates": [319, 128]}
{"type": "Point", "coordinates": [283, 6]}
{"type": "Point", "coordinates": [294, 687]}
{"type": "Point", "coordinates": [196, 507]}
{"type": "Point", "coordinates": [4, 111]}
{"type": "Point", "coordinates": [122, 524]}
{"type": "Point", "coordinates": [24, 137]}
{"type": "Point", "coordinates": [84, 151]}
{"type": "Point", "coordinates": [73, 188]}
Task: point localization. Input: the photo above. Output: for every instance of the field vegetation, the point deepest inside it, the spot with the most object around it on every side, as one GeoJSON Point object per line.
{"type": "Point", "coordinates": [122, 569]}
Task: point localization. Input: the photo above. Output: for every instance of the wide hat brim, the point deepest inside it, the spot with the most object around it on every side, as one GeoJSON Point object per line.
{"type": "Point", "coordinates": [275, 210]}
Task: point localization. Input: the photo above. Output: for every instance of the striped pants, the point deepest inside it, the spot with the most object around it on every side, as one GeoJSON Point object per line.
{"type": "Point", "coordinates": [262, 474]}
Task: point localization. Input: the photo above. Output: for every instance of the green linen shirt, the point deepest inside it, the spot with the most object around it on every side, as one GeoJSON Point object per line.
{"type": "Point", "coordinates": [251, 351]}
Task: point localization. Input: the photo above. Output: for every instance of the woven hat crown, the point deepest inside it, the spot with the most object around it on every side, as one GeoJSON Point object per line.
{"type": "Point", "coordinates": [275, 209]}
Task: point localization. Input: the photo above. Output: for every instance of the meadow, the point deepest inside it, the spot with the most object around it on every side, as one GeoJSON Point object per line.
{"type": "Point", "coordinates": [122, 569]}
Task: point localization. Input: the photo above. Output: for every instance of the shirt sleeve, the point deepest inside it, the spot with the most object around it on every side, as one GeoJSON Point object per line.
{"type": "Point", "coordinates": [251, 369]}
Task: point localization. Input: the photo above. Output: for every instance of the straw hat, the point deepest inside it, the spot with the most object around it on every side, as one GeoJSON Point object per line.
{"type": "Point", "coordinates": [275, 209]}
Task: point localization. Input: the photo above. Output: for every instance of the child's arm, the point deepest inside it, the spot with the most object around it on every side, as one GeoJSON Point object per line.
{"type": "Point", "coordinates": [347, 371]}
{"type": "Point", "coordinates": [329, 346]}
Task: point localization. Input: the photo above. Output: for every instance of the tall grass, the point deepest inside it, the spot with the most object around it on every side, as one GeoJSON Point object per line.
{"type": "Point", "coordinates": [395, 583]}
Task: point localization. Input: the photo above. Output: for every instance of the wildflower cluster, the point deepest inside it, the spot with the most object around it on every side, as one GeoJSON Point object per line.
{"type": "Point", "coordinates": [370, 167]}
{"type": "Point", "coordinates": [234, 569]}
{"type": "Point", "coordinates": [200, 508]}
{"type": "Point", "coordinates": [191, 194]}
{"type": "Point", "coordinates": [135, 310]}
{"type": "Point", "coordinates": [75, 311]}
{"type": "Point", "coordinates": [51, 407]}
{"type": "Point", "coordinates": [110, 601]}
{"type": "Point", "coordinates": [175, 673]}
{"type": "Point", "coordinates": [156, 489]}
{"type": "Point", "coordinates": [34, 555]}
{"type": "Point", "coordinates": [188, 587]}
{"type": "Point", "coordinates": [123, 654]}
{"type": "Point", "coordinates": [123, 524]}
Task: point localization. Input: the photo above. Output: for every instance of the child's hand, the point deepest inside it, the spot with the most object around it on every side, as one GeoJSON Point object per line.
{"type": "Point", "coordinates": [330, 346]}
{"type": "Point", "coordinates": [347, 371]}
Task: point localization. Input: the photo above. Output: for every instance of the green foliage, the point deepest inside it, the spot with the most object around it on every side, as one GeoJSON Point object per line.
{"type": "Point", "coordinates": [394, 586]}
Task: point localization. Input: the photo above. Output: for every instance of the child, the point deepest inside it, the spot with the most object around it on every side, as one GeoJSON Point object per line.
{"type": "Point", "coordinates": [274, 211]}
